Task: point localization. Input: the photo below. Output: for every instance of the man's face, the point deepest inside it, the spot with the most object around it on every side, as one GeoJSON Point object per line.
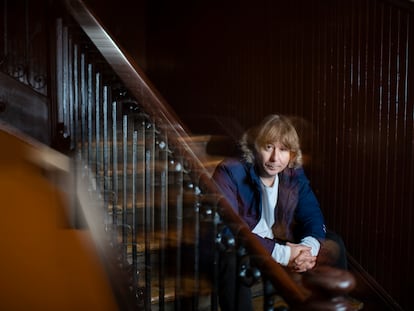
{"type": "Point", "coordinates": [272, 159]}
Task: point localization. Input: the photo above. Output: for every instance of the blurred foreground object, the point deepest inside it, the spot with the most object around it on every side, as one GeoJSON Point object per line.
{"type": "Point", "coordinates": [45, 264]}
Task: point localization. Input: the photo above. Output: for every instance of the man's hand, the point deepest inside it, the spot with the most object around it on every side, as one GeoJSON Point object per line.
{"type": "Point", "coordinates": [301, 258]}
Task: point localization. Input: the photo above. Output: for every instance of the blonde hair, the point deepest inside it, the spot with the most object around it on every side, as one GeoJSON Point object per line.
{"type": "Point", "coordinates": [273, 128]}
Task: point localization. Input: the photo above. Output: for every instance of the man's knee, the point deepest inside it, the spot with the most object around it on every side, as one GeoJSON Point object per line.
{"type": "Point", "coordinates": [333, 251]}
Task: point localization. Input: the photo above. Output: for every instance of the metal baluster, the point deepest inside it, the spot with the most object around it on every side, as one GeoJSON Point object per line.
{"type": "Point", "coordinates": [196, 274]}
{"type": "Point", "coordinates": [83, 101]}
{"type": "Point", "coordinates": [216, 254]}
{"type": "Point", "coordinates": [90, 115]}
{"type": "Point", "coordinates": [65, 80]}
{"type": "Point", "coordinates": [76, 128]}
{"type": "Point", "coordinates": [179, 178]}
{"type": "Point", "coordinates": [140, 200]}
{"type": "Point", "coordinates": [163, 175]}
{"type": "Point", "coordinates": [106, 154]}
{"type": "Point", "coordinates": [6, 31]}
{"type": "Point", "coordinates": [114, 173]}
{"type": "Point", "coordinates": [124, 186]}
{"type": "Point", "coordinates": [268, 296]}
{"type": "Point", "coordinates": [98, 148]}
{"type": "Point", "coordinates": [71, 127]}
{"type": "Point", "coordinates": [76, 100]}
{"type": "Point", "coordinates": [149, 203]}
{"type": "Point", "coordinates": [59, 70]}
{"type": "Point", "coordinates": [134, 208]}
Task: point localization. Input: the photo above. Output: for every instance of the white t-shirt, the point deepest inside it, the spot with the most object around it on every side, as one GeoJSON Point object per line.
{"type": "Point", "coordinates": [281, 253]}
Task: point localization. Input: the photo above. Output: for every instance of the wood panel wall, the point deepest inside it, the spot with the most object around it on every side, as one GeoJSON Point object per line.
{"type": "Point", "coordinates": [344, 68]}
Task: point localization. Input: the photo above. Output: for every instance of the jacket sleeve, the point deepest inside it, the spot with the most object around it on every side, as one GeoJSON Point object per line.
{"type": "Point", "coordinates": [308, 214]}
{"type": "Point", "coordinates": [226, 181]}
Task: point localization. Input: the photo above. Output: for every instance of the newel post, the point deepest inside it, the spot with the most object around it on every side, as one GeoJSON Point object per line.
{"type": "Point", "coordinates": [329, 287]}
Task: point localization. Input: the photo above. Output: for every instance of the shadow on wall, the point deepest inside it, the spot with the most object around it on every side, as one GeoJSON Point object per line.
{"type": "Point", "coordinates": [224, 132]}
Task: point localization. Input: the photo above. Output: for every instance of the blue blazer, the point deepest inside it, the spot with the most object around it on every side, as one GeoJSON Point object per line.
{"type": "Point", "coordinates": [296, 205]}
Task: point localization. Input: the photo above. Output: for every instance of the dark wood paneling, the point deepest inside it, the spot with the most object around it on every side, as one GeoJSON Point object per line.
{"type": "Point", "coordinates": [346, 69]}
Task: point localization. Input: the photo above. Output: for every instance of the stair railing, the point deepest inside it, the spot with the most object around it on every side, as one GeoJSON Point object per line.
{"type": "Point", "coordinates": [155, 193]}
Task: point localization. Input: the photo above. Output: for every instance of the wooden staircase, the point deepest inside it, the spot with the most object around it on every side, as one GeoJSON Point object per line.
{"type": "Point", "coordinates": [138, 176]}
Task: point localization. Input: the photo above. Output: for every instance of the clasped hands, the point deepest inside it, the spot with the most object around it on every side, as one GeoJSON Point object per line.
{"type": "Point", "coordinates": [301, 258]}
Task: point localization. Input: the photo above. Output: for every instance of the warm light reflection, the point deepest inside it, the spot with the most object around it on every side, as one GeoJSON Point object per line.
{"type": "Point", "coordinates": [44, 265]}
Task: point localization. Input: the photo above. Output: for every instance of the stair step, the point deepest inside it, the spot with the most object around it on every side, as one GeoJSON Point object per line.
{"type": "Point", "coordinates": [187, 289]}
